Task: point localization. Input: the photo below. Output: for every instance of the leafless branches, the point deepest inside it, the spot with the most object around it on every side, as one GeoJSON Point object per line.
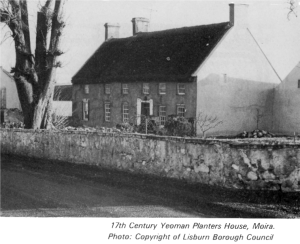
{"type": "Point", "coordinates": [206, 122]}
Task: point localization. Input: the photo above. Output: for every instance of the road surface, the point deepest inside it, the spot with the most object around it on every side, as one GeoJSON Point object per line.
{"type": "Point", "coordinates": [31, 187]}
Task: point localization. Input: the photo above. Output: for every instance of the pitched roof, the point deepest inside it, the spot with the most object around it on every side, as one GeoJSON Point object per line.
{"type": "Point", "coordinates": [264, 55]}
{"type": "Point", "coordinates": [162, 55]}
{"type": "Point", "coordinates": [63, 93]}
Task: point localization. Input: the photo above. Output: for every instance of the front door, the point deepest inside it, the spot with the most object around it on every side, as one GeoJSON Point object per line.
{"type": "Point", "coordinates": [145, 109]}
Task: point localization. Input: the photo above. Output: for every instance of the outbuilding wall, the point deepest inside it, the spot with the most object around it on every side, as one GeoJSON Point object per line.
{"type": "Point", "coordinates": [12, 97]}
{"type": "Point", "coordinates": [236, 83]}
{"type": "Point", "coordinates": [287, 104]}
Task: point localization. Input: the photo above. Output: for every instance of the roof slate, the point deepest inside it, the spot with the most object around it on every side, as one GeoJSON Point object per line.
{"type": "Point", "coordinates": [167, 55]}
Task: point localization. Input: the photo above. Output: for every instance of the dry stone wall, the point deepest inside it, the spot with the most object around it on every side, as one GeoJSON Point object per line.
{"type": "Point", "coordinates": [214, 162]}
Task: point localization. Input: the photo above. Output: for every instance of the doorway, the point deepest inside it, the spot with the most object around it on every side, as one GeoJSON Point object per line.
{"type": "Point", "coordinates": [145, 109]}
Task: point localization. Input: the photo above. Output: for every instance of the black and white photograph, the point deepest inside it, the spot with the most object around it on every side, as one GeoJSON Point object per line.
{"type": "Point", "coordinates": [149, 121]}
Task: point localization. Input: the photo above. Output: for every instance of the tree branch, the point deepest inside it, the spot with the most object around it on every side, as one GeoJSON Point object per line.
{"type": "Point", "coordinates": [206, 122]}
{"type": "Point", "coordinates": [4, 16]}
{"type": "Point", "coordinates": [25, 24]}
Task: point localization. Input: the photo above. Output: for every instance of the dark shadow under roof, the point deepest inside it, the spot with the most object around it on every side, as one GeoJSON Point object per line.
{"type": "Point", "coordinates": [162, 55]}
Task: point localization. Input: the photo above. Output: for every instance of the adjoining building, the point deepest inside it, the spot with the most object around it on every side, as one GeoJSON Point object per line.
{"type": "Point", "coordinates": [9, 97]}
{"type": "Point", "coordinates": [10, 107]}
{"type": "Point", "coordinates": [287, 104]}
{"type": "Point", "coordinates": [218, 70]}
{"type": "Point", "coordinates": [11, 110]}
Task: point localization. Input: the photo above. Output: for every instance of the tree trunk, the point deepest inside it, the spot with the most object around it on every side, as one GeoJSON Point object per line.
{"type": "Point", "coordinates": [24, 88]}
{"type": "Point", "coordinates": [35, 76]}
{"type": "Point", "coordinates": [43, 110]}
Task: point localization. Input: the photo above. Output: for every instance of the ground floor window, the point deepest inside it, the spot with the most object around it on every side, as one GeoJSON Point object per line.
{"type": "Point", "coordinates": [180, 110]}
{"type": "Point", "coordinates": [85, 109]}
{"type": "Point", "coordinates": [107, 112]}
{"type": "Point", "coordinates": [162, 115]}
{"type": "Point", "coordinates": [125, 113]}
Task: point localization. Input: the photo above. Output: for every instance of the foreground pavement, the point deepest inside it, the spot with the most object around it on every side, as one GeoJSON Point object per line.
{"type": "Point", "coordinates": [42, 188]}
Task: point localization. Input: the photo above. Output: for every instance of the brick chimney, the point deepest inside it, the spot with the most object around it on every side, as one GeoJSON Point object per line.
{"type": "Point", "coordinates": [238, 15]}
{"type": "Point", "coordinates": [139, 25]}
{"type": "Point", "coordinates": [111, 30]}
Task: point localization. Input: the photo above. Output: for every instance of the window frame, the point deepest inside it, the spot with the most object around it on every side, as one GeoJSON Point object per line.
{"type": "Point", "coordinates": [178, 112]}
{"type": "Point", "coordinates": [107, 112]}
{"type": "Point", "coordinates": [162, 117]}
{"type": "Point", "coordinates": [107, 89]}
{"type": "Point", "coordinates": [162, 91]}
{"type": "Point", "coordinates": [86, 89]}
{"type": "Point", "coordinates": [146, 88]}
{"type": "Point", "coordinates": [85, 109]}
{"type": "Point", "coordinates": [179, 92]}
{"type": "Point", "coordinates": [125, 112]}
{"type": "Point", "coordinates": [125, 89]}
{"type": "Point", "coordinates": [299, 83]}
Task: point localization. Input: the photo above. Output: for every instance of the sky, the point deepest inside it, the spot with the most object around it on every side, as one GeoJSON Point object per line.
{"type": "Point", "coordinates": [278, 36]}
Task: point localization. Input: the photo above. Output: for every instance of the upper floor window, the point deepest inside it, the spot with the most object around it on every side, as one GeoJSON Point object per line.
{"type": "Point", "coordinates": [298, 83]}
{"type": "Point", "coordinates": [125, 112]}
{"type": "Point", "coordinates": [86, 89]}
{"type": "Point", "coordinates": [162, 88]}
{"type": "Point", "coordinates": [146, 88]}
{"type": "Point", "coordinates": [125, 88]}
{"type": "Point", "coordinates": [180, 110]}
{"type": "Point", "coordinates": [85, 109]}
{"type": "Point", "coordinates": [162, 115]}
{"type": "Point", "coordinates": [107, 89]}
{"type": "Point", "coordinates": [107, 112]}
{"type": "Point", "coordinates": [181, 88]}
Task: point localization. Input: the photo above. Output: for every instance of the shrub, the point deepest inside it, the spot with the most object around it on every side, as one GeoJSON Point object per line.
{"type": "Point", "coordinates": [179, 126]}
{"type": "Point", "coordinates": [126, 127]}
{"type": "Point", "coordinates": [152, 126]}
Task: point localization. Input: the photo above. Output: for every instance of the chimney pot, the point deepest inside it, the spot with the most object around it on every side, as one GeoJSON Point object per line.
{"type": "Point", "coordinates": [111, 30]}
{"type": "Point", "coordinates": [238, 15]}
{"type": "Point", "coordinates": [139, 24]}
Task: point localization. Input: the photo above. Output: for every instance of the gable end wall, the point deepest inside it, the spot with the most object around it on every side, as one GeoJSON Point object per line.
{"type": "Point", "coordinates": [236, 83]}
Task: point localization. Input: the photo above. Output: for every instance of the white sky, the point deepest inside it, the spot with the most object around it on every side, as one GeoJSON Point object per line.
{"type": "Point", "coordinates": [84, 33]}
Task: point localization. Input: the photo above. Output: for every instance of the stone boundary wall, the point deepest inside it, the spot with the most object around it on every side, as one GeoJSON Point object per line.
{"type": "Point", "coordinates": [216, 162]}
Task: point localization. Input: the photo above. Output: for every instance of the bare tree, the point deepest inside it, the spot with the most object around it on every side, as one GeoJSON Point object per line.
{"type": "Point", "coordinates": [206, 122]}
{"type": "Point", "coordinates": [34, 73]}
